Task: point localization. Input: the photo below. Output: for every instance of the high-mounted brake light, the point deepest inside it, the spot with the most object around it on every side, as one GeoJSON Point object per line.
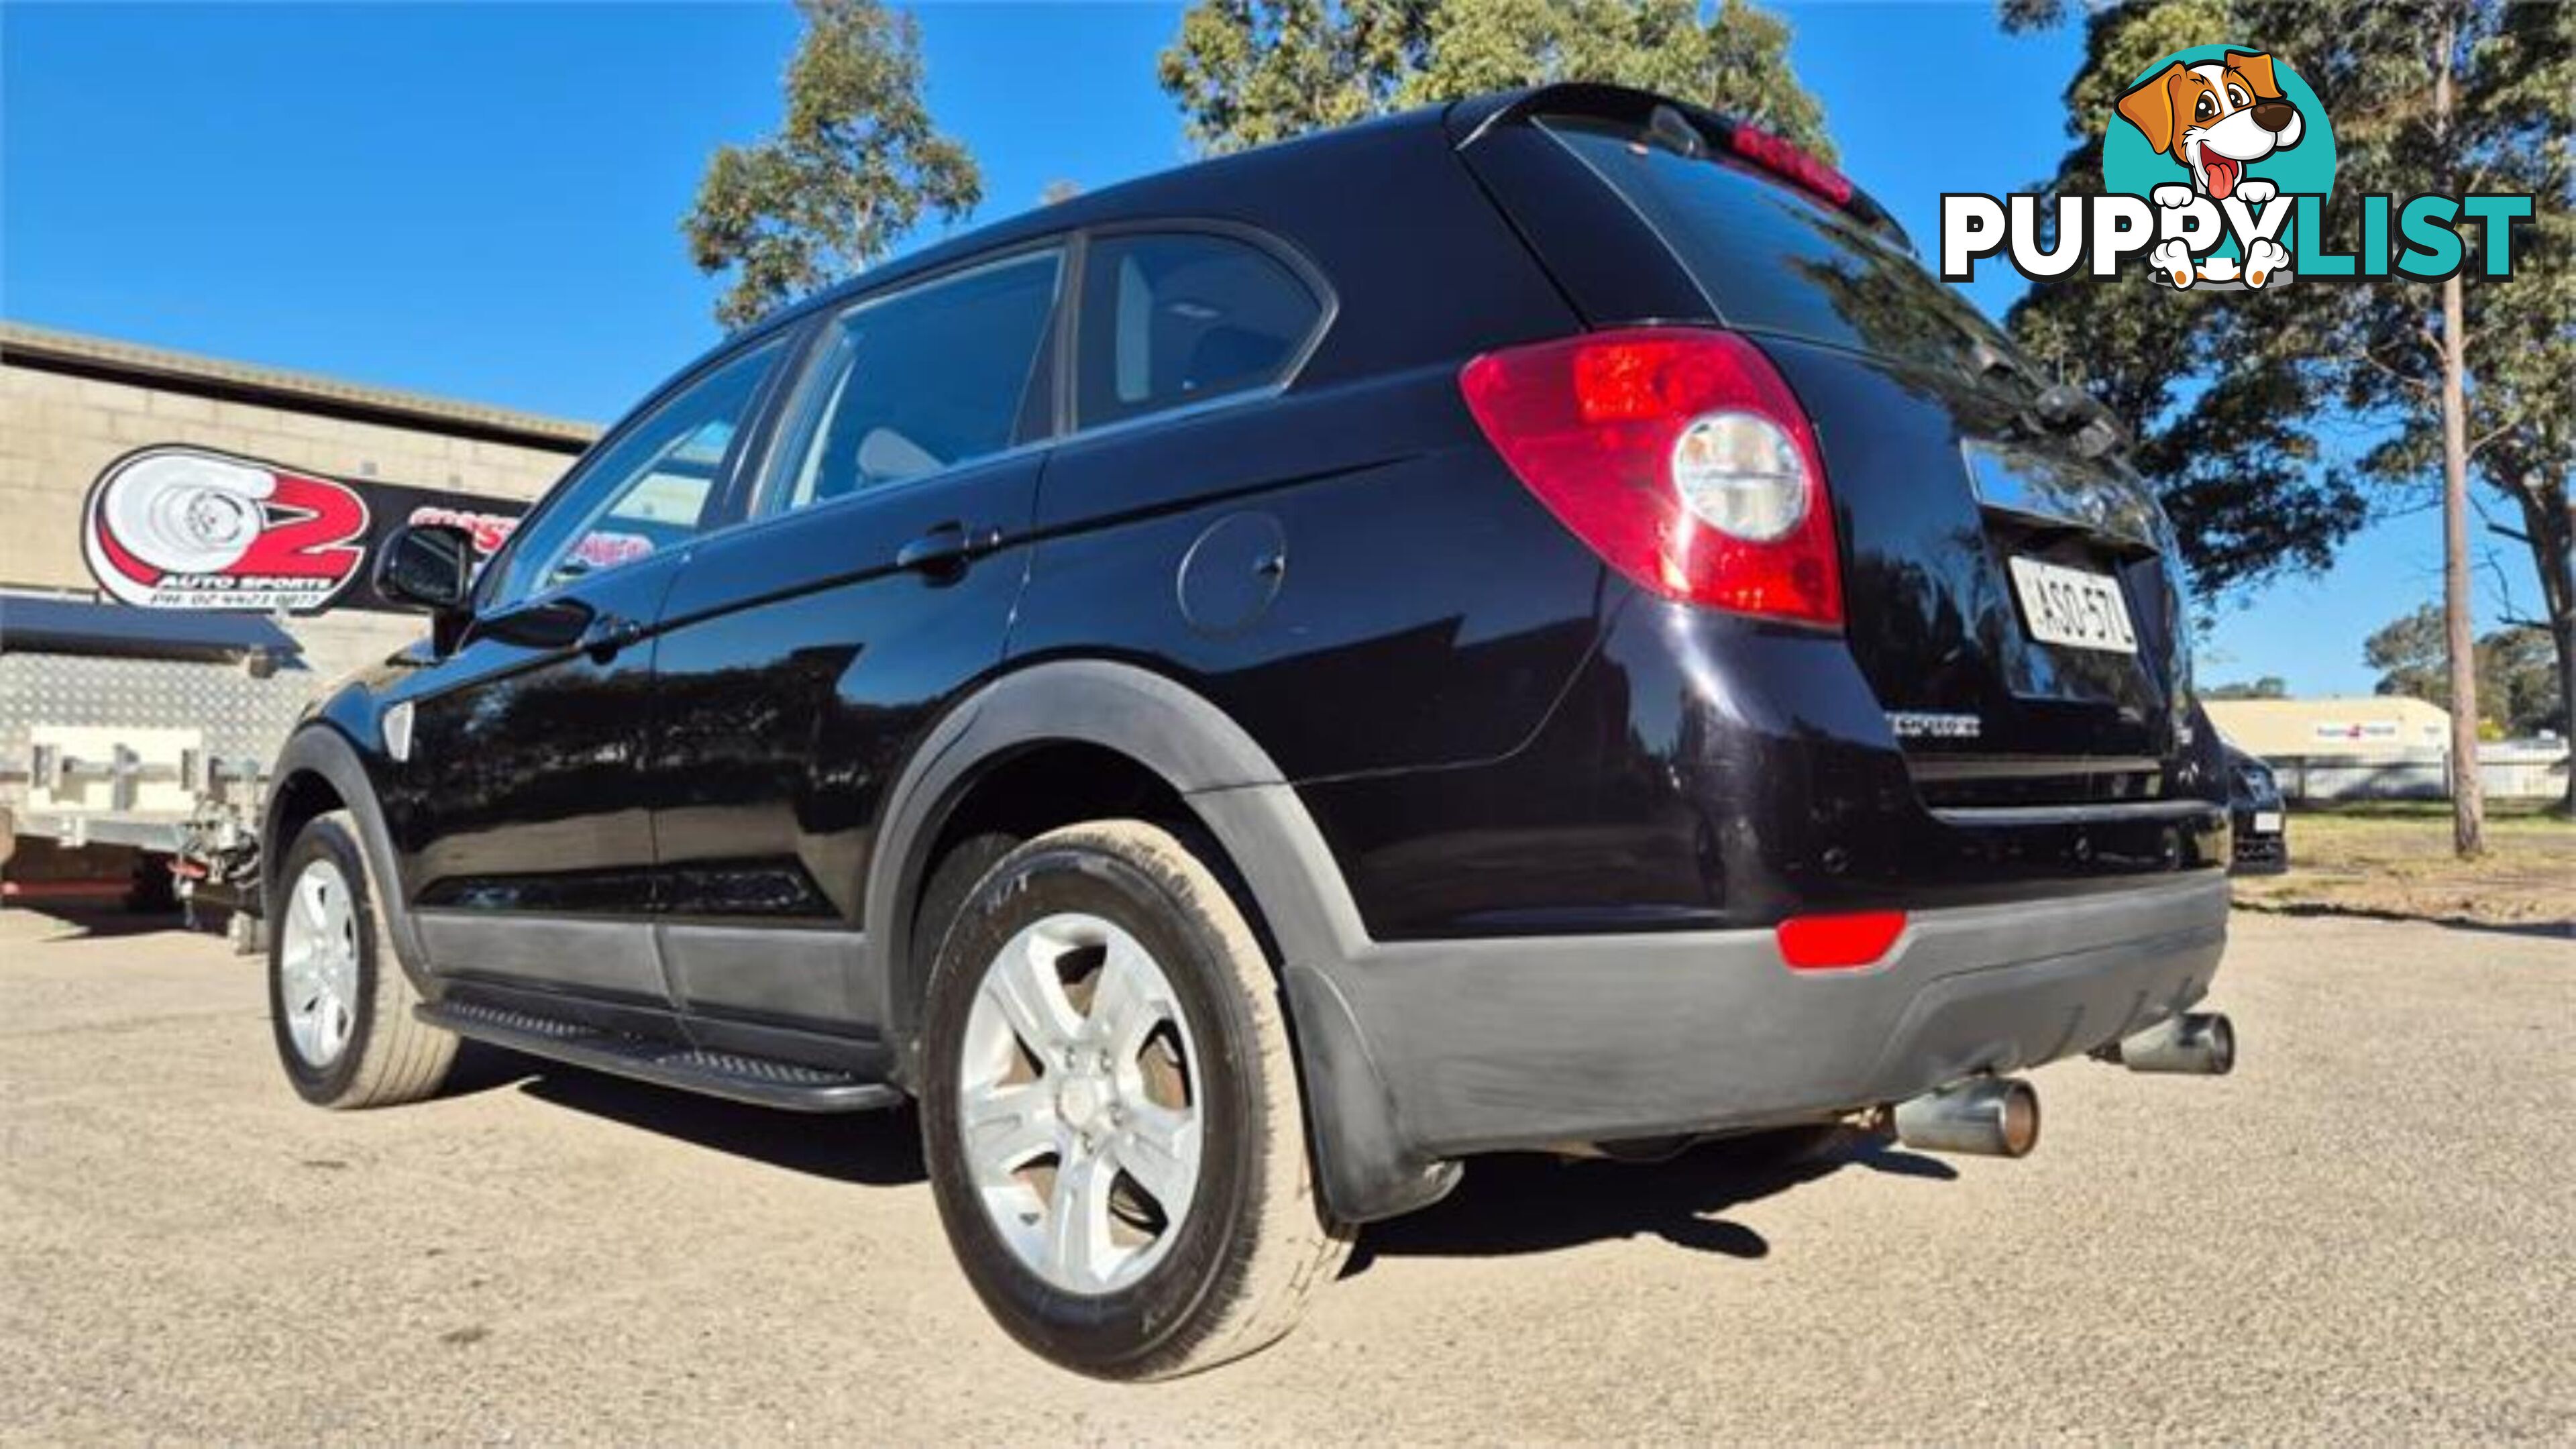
{"type": "Point", "coordinates": [1679, 456]}
{"type": "Point", "coordinates": [1839, 943]}
{"type": "Point", "coordinates": [1785, 159]}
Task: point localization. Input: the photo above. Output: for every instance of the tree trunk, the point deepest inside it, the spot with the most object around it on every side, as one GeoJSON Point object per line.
{"type": "Point", "coordinates": [2551, 526]}
{"type": "Point", "coordinates": [2562, 632]}
{"type": "Point", "coordinates": [2468, 798]}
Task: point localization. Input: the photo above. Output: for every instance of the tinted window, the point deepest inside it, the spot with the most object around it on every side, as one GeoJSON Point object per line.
{"type": "Point", "coordinates": [1174, 319]}
{"type": "Point", "coordinates": [651, 487]}
{"type": "Point", "coordinates": [922, 380]}
{"type": "Point", "coordinates": [1771, 260]}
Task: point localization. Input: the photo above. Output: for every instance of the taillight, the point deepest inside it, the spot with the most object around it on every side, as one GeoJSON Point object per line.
{"type": "Point", "coordinates": [1679, 456]}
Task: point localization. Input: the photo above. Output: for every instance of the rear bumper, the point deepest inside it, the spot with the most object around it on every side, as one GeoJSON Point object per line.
{"type": "Point", "coordinates": [1457, 1047]}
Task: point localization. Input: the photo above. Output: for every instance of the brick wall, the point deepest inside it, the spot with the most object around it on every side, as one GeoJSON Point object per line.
{"type": "Point", "coordinates": [57, 432]}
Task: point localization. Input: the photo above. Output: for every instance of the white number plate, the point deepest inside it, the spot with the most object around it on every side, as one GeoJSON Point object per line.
{"type": "Point", "coordinates": [2267, 822]}
{"type": "Point", "coordinates": [2073, 607]}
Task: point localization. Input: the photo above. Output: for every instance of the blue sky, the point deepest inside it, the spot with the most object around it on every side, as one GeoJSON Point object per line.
{"type": "Point", "coordinates": [483, 200]}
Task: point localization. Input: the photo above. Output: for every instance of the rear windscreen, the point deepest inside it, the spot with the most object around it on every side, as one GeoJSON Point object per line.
{"type": "Point", "coordinates": [1770, 260]}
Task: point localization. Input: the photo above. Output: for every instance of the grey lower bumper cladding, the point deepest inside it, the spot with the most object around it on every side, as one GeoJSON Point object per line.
{"type": "Point", "coordinates": [1426, 1051]}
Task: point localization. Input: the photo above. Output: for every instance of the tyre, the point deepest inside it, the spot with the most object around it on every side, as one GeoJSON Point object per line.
{"type": "Point", "coordinates": [338, 1003]}
{"type": "Point", "coordinates": [1110, 1112]}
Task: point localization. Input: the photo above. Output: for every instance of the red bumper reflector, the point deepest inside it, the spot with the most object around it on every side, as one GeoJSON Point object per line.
{"type": "Point", "coordinates": [1839, 943]}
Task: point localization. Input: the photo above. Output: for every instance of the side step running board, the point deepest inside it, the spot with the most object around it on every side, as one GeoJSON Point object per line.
{"type": "Point", "coordinates": [756, 1080]}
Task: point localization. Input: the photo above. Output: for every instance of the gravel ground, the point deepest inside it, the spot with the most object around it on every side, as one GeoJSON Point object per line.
{"type": "Point", "coordinates": [2364, 1234]}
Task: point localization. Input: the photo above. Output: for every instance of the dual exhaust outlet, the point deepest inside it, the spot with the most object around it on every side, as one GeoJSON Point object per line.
{"type": "Point", "coordinates": [1999, 1116]}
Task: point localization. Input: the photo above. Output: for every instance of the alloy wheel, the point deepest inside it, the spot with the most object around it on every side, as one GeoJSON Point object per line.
{"type": "Point", "coordinates": [318, 964]}
{"type": "Point", "coordinates": [1077, 1103]}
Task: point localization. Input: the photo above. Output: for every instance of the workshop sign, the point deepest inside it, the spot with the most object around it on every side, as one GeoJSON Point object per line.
{"type": "Point", "coordinates": [174, 526]}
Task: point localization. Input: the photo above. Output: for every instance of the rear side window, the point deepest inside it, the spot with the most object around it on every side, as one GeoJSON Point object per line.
{"type": "Point", "coordinates": [1175, 318]}
{"type": "Point", "coordinates": [1770, 260]}
{"type": "Point", "coordinates": [921, 380]}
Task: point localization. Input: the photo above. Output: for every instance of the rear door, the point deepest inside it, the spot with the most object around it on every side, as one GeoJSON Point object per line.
{"type": "Point", "coordinates": [804, 651]}
{"type": "Point", "coordinates": [2009, 597]}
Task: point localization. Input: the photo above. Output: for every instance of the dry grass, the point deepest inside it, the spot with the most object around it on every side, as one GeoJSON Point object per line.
{"type": "Point", "coordinates": [2394, 860]}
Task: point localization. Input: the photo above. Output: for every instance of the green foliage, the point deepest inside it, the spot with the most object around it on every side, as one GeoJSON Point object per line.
{"type": "Point", "coordinates": [2519, 124]}
{"type": "Point", "coordinates": [852, 170]}
{"type": "Point", "coordinates": [2271, 422]}
{"type": "Point", "coordinates": [2518, 682]}
{"type": "Point", "coordinates": [2226, 418]}
{"type": "Point", "coordinates": [2270, 686]}
{"type": "Point", "coordinates": [1249, 72]}
{"type": "Point", "coordinates": [2517, 674]}
{"type": "Point", "coordinates": [2408, 653]}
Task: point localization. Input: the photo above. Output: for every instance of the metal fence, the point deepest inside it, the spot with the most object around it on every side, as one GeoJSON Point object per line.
{"type": "Point", "coordinates": [2508, 771]}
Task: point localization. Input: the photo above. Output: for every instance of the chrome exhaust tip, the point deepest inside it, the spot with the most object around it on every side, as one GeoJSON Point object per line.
{"type": "Point", "coordinates": [2196, 1043]}
{"type": "Point", "coordinates": [1983, 1116]}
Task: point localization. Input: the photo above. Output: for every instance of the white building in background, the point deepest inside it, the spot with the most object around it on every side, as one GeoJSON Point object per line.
{"type": "Point", "coordinates": [2349, 725]}
{"type": "Point", "coordinates": [2378, 747]}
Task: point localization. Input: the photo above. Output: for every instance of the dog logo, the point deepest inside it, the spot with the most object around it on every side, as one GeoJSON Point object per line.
{"type": "Point", "coordinates": [2215, 118]}
{"type": "Point", "coordinates": [178, 528]}
{"type": "Point", "coordinates": [2217, 112]}
{"type": "Point", "coordinates": [2189, 135]}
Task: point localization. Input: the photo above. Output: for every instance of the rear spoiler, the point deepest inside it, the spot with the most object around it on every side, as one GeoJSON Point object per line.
{"type": "Point", "coordinates": [1695, 130]}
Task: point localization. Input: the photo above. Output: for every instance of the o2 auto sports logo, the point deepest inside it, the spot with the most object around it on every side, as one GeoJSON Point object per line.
{"type": "Point", "coordinates": [2217, 163]}
{"type": "Point", "coordinates": [181, 528]}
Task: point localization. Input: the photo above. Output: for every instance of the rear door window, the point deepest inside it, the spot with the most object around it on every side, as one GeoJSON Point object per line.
{"type": "Point", "coordinates": [921, 380]}
{"type": "Point", "coordinates": [1172, 319]}
{"type": "Point", "coordinates": [1771, 260]}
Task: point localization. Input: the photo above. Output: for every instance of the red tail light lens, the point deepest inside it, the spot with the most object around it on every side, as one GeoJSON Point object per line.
{"type": "Point", "coordinates": [1839, 943]}
{"type": "Point", "coordinates": [1784, 159]}
{"type": "Point", "coordinates": [1679, 456]}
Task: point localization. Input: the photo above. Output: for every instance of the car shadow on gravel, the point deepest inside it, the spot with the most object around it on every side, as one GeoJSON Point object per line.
{"type": "Point", "coordinates": [1506, 1205]}
{"type": "Point", "coordinates": [874, 1149]}
{"type": "Point", "coordinates": [2312, 910]}
{"type": "Point", "coordinates": [1525, 1203]}
{"type": "Point", "coordinates": [56, 921]}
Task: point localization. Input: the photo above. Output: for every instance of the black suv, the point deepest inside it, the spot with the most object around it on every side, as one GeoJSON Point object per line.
{"type": "Point", "coordinates": [2256, 810]}
{"type": "Point", "coordinates": [1534, 623]}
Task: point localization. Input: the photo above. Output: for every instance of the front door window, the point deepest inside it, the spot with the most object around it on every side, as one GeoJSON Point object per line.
{"type": "Point", "coordinates": [652, 486]}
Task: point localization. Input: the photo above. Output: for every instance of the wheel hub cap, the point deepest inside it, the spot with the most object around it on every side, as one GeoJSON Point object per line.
{"type": "Point", "coordinates": [1080, 1103]}
{"type": "Point", "coordinates": [318, 964]}
{"type": "Point", "coordinates": [1078, 1106]}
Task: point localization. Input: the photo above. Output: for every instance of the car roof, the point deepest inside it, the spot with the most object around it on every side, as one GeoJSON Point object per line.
{"type": "Point", "coordinates": [1214, 184]}
{"type": "Point", "coordinates": [1204, 186]}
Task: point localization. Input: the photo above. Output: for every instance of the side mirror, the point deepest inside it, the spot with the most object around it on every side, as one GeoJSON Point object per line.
{"type": "Point", "coordinates": [427, 566]}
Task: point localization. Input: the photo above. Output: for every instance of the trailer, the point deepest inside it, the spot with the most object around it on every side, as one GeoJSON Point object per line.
{"type": "Point", "coordinates": [134, 748]}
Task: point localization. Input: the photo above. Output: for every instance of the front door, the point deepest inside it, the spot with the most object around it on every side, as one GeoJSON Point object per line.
{"type": "Point", "coordinates": [519, 810]}
{"type": "Point", "coordinates": [805, 651]}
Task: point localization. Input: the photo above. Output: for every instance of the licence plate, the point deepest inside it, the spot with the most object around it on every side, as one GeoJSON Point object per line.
{"type": "Point", "coordinates": [2074, 607]}
{"type": "Point", "coordinates": [2267, 822]}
